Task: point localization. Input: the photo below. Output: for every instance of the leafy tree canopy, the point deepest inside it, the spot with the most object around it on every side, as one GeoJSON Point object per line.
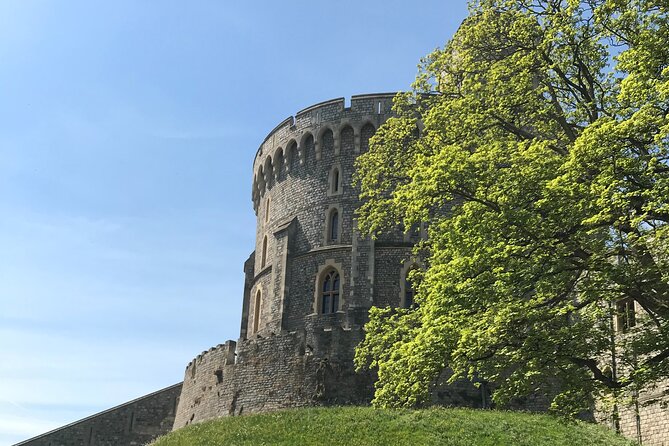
{"type": "Point", "coordinates": [542, 171]}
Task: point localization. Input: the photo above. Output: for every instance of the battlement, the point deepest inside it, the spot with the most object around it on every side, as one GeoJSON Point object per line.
{"type": "Point", "coordinates": [226, 350]}
{"type": "Point", "coordinates": [277, 370]}
{"type": "Point", "coordinates": [298, 137]}
{"type": "Point", "coordinates": [359, 103]}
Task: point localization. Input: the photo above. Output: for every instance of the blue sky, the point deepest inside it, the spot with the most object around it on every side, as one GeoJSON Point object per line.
{"type": "Point", "coordinates": [127, 134]}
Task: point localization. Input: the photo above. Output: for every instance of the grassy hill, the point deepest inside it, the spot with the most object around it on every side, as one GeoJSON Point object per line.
{"type": "Point", "coordinates": [358, 426]}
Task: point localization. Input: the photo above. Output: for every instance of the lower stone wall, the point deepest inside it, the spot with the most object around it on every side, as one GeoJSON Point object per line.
{"type": "Point", "coordinates": [134, 423]}
{"type": "Point", "coordinates": [652, 422]}
{"type": "Point", "coordinates": [289, 369]}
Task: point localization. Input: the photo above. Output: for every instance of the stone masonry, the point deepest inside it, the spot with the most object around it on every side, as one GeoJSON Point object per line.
{"type": "Point", "coordinates": [134, 423]}
{"type": "Point", "coordinates": [292, 352]}
{"type": "Point", "coordinates": [308, 287]}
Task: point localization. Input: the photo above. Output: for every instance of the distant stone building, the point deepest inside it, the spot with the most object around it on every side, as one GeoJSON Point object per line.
{"type": "Point", "coordinates": [309, 285]}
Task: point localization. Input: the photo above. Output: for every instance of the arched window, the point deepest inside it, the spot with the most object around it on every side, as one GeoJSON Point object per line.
{"type": "Point", "coordinates": [333, 229]}
{"type": "Point", "coordinates": [263, 258]}
{"type": "Point", "coordinates": [267, 210]}
{"type": "Point", "coordinates": [407, 285]}
{"type": "Point", "coordinates": [330, 294]}
{"type": "Point", "coordinates": [335, 181]}
{"type": "Point", "coordinates": [256, 312]}
{"type": "Point", "coordinates": [409, 293]}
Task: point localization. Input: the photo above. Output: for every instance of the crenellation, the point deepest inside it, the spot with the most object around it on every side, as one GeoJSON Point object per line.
{"type": "Point", "coordinates": [307, 129]}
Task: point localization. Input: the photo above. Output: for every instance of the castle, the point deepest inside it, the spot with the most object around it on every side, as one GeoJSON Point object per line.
{"type": "Point", "coordinates": [308, 287]}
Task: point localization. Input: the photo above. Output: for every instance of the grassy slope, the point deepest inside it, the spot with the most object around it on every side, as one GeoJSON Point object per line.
{"type": "Point", "coordinates": [352, 426]}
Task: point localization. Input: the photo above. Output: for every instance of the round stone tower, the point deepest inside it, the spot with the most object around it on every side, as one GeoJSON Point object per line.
{"type": "Point", "coordinates": [312, 277]}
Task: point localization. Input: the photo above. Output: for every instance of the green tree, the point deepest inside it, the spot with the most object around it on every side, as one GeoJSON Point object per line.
{"type": "Point", "coordinates": [542, 170]}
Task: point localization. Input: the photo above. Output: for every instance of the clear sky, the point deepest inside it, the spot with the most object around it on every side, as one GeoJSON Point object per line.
{"type": "Point", "coordinates": [127, 134]}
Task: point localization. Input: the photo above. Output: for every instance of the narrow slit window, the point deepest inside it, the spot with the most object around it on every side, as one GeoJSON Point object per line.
{"type": "Point", "coordinates": [334, 226]}
{"type": "Point", "coordinates": [335, 181]}
{"type": "Point", "coordinates": [256, 312]}
{"type": "Point", "coordinates": [409, 293]}
{"type": "Point", "coordinates": [263, 259]}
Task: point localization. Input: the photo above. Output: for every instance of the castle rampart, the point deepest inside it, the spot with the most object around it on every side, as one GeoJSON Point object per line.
{"type": "Point", "coordinates": [136, 422]}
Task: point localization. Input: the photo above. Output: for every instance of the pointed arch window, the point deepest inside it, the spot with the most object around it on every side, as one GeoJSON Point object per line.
{"type": "Point", "coordinates": [330, 294]}
{"type": "Point", "coordinates": [408, 286]}
{"type": "Point", "coordinates": [335, 181]}
{"type": "Point", "coordinates": [409, 293]}
{"type": "Point", "coordinates": [333, 233]}
{"type": "Point", "coordinates": [263, 258]}
{"type": "Point", "coordinates": [256, 312]}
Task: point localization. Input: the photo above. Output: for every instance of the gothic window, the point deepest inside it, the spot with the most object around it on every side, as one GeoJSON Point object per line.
{"type": "Point", "coordinates": [409, 293]}
{"type": "Point", "coordinates": [625, 315]}
{"type": "Point", "coordinates": [256, 312]}
{"type": "Point", "coordinates": [330, 295]}
{"type": "Point", "coordinates": [408, 286]}
{"type": "Point", "coordinates": [335, 181]}
{"type": "Point", "coordinates": [263, 258]}
{"type": "Point", "coordinates": [333, 227]}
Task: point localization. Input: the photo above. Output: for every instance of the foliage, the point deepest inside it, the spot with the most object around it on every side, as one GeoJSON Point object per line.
{"type": "Point", "coordinates": [542, 172]}
{"type": "Point", "coordinates": [361, 426]}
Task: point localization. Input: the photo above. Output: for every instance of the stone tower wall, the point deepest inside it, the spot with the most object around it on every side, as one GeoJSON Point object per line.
{"type": "Point", "coordinates": [290, 369]}
{"type": "Point", "coordinates": [290, 353]}
{"type": "Point", "coordinates": [293, 196]}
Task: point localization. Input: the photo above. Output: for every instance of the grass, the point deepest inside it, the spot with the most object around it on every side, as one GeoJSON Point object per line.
{"type": "Point", "coordinates": [365, 426]}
